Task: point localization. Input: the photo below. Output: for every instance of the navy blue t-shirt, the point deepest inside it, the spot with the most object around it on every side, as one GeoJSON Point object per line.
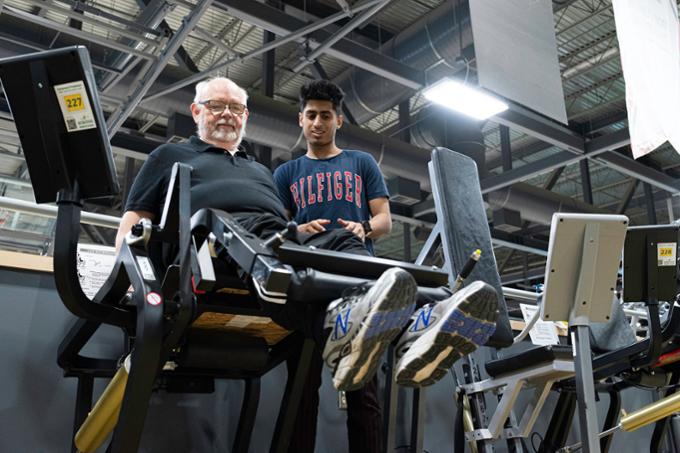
{"type": "Point", "coordinates": [338, 187]}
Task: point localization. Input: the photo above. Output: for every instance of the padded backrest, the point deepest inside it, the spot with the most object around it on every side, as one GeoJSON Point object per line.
{"type": "Point", "coordinates": [461, 213]}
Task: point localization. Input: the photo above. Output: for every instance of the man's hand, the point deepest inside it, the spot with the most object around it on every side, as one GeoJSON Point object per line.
{"type": "Point", "coordinates": [353, 227]}
{"type": "Point", "coordinates": [315, 226]}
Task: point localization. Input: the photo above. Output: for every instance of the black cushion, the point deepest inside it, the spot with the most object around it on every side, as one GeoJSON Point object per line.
{"type": "Point", "coordinates": [528, 358]}
{"type": "Point", "coordinates": [466, 229]}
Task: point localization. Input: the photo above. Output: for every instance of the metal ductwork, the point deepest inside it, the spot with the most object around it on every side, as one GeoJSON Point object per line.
{"type": "Point", "coordinates": [434, 43]}
{"type": "Point", "coordinates": [536, 204]}
{"type": "Point", "coordinates": [437, 126]}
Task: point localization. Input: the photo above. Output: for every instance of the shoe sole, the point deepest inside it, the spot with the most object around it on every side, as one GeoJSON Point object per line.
{"type": "Point", "coordinates": [464, 328]}
{"type": "Point", "coordinates": [392, 307]}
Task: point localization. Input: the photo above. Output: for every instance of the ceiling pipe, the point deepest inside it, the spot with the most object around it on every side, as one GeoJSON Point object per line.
{"type": "Point", "coordinates": [435, 43]}
{"type": "Point", "coordinates": [437, 126]}
{"type": "Point", "coordinates": [536, 204]}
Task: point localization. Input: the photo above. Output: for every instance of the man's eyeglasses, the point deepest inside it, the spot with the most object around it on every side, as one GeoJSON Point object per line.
{"type": "Point", "coordinates": [217, 108]}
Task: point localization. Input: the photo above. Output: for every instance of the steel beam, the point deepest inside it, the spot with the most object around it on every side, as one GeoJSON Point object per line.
{"type": "Point", "coordinates": [152, 71]}
{"type": "Point", "coordinates": [608, 142]}
{"type": "Point", "coordinates": [107, 43]}
{"type": "Point", "coordinates": [340, 34]}
{"type": "Point", "coordinates": [552, 179]}
{"type": "Point", "coordinates": [506, 148]}
{"type": "Point", "coordinates": [649, 202]}
{"type": "Point", "coordinates": [518, 118]}
{"type": "Point", "coordinates": [629, 167]}
{"type": "Point", "coordinates": [350, 52]}
{"type": "Point", "coordinates": [294, 35]}
{"type": "Point", "coordinates": [585, 182]}
{"type": "Point", "coordinates": [508, 178]}
{"type": "Point", "coordinates": [627, 196]}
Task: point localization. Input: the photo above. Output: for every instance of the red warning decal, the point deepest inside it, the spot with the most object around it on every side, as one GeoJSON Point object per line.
{"type": "Point", "coordinates": [154, 298]}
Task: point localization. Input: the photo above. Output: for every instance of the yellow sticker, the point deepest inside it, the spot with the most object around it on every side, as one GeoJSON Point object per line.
{"type": "Point", "coordinates": [666, 253]}
{"type": "Point", "coordinates": [75, 106]}
{"type": "Point", "coordinates": [74, 102]}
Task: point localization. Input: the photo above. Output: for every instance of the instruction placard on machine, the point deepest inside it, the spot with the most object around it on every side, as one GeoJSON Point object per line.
{"type": "Point", "coordinates": [544, 332]}
{"type": "Point", "coordinates": [94, 264]}
{"type": "Point", "coordinates": [75, 106]}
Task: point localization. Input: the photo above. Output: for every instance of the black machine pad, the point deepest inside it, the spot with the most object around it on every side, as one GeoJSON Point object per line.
{"type": "Point", "coordinates": [528, 358]}
{"type": "Point", "coordinates": [465, 228]}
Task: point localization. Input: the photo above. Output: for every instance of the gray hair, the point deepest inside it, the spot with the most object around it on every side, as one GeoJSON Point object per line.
{"type": "Point", "coordinates": [202, 86]}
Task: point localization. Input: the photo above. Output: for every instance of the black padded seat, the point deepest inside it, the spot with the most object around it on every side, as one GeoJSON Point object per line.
{"type": "Point", "coordinates": [525, 359]}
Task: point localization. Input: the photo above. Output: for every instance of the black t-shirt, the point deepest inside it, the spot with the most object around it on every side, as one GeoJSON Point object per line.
{"type": "Point", "coordinates": [236, 184]}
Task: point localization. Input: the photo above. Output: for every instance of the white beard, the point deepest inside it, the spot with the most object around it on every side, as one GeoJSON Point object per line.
{"type": "Point", "coordinates": [222, 135]}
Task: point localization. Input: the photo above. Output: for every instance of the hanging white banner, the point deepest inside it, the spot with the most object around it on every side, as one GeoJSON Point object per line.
{"type": "Point", "coordinates": [649, 43]}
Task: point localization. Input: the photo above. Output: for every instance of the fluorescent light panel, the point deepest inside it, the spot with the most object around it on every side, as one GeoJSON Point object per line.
{"type": "Point", "coordinates": [465, 99]}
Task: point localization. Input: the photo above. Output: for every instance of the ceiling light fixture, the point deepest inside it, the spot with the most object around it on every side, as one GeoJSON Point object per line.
{"type": "Point", "coordinates": [466, 99]}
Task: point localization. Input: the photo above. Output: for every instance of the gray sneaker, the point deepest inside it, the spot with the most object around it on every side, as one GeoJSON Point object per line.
{"type": "Point", "coordinates": [362, 325]}
{"type": "Point", "coordinates": [442, 332]}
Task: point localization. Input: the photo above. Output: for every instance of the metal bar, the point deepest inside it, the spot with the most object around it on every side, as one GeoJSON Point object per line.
{"type": "Point", "coordinates": [417, 422]}
{"type": "Point", "coordinates": [88, 218]}
{"type": "Point", "coordinates": [106, 15]}
{"type": "Point", "coordinates": [669, 206]}
{"type": "Point", "coordinates": [585, 390]}
{"type": "Point", "coordinates": [246, 420]}
{"type": "Point", "coordinates": [83, 404]}
{"type": "Point", "coordinates": [625, 200]}
{"type": "Point", "coordinates": [523, 248]}
{"type": "Point", "coordinates": [552, 179]}
{"type": "Point", "coordinates": [649, 202]}
{"type": "Point", "coordinates": [545, 130]}
{"type": "Point", "coordinates": [116, 119]}
{"type": "Point", "coordinates": [111, 44]}
{"type": "Point", "coordinates": [506, 150]}
{"type": "Point", "coordinates": [519, 294]}
{"type": "Point", "coordinates": [337, 36]}
{"type": "Point", "coordinates": [214, 41]}
{"type": "Point", "coordinates": [292, 36]}
{"type": "Point", "coordinates": [629, 167]}
{"type": "Point", "coordinates": [407, 242]}
{"type": "Point", "coordinates": [585, 182]}
{"type": "Point", "coordinates": [391, 399]}
{"type": "Point", "coordinates": [405, 121]}
{"type": "Point", "coordinates": [558, 160]}
{"type": "Point", "coordinates": [92, 20]}
{"type": "Point", "coordinates": [609, 142]}
{"type": "Point", "coordinates": [291, 400]}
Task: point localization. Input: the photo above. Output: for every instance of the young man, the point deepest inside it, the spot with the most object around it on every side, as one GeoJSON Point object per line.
{"type": "Point", "coordinates": [331, 188]}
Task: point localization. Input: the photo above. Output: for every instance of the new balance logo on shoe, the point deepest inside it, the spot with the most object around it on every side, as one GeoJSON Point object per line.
{"type": "Point", "coordinates": [423, 319]}
{"type": "Point", "coordinates": [363, 324]}
{"type": "Point", "coordinates": [341, 325]}
{"type": "Point", "coordinates": [429, 348]}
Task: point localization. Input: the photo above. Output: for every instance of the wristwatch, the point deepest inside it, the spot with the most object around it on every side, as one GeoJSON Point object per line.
{"type": "Point", "coordinates": [367, 227]}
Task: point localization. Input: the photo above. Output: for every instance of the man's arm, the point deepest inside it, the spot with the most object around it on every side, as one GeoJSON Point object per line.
{"type": "Point", "coordinates": [381, 220]}
{"type": "Point", "coordinates": [129, 219]}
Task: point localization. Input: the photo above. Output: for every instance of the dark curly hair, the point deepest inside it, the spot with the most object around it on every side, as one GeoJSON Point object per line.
{"type": "Point", "coordinates": [321, 90]}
